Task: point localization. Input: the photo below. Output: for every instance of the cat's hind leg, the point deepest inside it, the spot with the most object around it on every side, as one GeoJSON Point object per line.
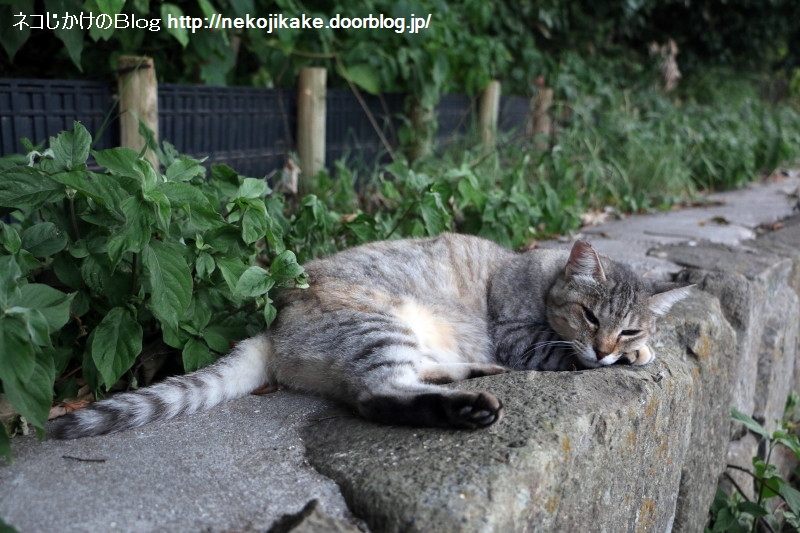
{"type": "Point", "coordinates": [428, 408]}
{"type": "Point", "coordinates": [397, 396]}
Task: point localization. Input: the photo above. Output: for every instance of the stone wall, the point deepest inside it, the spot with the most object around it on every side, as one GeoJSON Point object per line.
{"type": "Point", "coordinates": [616, 449]}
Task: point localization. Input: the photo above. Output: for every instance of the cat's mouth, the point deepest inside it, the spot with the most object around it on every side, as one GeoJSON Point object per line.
{"type": "Point", "coordinates": [594, 359]}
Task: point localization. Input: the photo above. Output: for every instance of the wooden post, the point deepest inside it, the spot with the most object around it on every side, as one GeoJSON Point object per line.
{"type": "Point", "coordinates": [311, 123]}
{"type": "Point", "coordinates": [489, 110]}
{"type": "Point", "coordinates": [138, 101]}
{"type": "Point", "coordinates": [422, 130]}
{"type": "Point", "coordinates": [541, 125]}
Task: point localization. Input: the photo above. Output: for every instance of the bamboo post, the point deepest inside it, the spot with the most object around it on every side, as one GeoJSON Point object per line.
{"type": "Point", "coordinates": [138, 101]}
{"type": "Point", "coordinates": [311, 122]}
{"type": "Point", "coordinates": [488, 112]}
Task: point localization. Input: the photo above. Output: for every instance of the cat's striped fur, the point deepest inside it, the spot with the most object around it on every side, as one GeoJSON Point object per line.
{"type": "Point", "coordinates": [384, 325]}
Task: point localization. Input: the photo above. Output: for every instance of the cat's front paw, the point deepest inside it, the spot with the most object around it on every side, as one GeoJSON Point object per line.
{"type": "Point", "coordinates": [643, 356]}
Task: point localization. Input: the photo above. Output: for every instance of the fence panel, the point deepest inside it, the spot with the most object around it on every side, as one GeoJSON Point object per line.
{"type": "Point", "coordinates": [250, 129]}
{"type": "Point", "coordinates": [38, 109]}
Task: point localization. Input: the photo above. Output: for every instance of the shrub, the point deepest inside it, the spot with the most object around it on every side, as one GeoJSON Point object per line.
{"type": "Point", "coordinates": [98, 267]}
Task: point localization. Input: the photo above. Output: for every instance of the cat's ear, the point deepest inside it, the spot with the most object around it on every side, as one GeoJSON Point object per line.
{"type": "Point", "coordinates": [583, 262]}
{"type": "Point", "coordinates": [665, 297]}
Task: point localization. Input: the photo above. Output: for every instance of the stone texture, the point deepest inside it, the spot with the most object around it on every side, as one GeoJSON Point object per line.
{"type": "Point", "coordinates": [753, 289]}
{"type": "Point", "coordinates": [311, 520]}
{"type": "Point", "coordinates": [617, 449]}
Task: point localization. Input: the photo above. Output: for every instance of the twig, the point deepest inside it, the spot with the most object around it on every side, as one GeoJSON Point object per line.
{"type": "Point", "coordinates": [736, 485]}
{"type": "Point", "coordinates": [367, 112]}
{"type": "Point", "coordinates": [81, 459]}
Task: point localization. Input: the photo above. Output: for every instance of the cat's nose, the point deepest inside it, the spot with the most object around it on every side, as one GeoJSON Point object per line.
{"type": "Point", "coordinates": [600, 354]}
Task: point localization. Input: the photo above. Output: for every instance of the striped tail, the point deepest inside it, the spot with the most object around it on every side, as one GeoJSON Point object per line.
{"type": "Point", "coordinates": [233, 376]}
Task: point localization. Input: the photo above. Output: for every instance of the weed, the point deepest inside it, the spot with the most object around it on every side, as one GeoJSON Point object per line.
{"type": "Point", "coordinates": [777, 504]}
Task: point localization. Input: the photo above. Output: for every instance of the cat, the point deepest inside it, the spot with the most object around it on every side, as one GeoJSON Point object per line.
{"type": "Point", "coordinates": [383, 326]}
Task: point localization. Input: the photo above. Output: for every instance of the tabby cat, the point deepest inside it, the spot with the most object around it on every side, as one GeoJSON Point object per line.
{"type": "Point", "coordinates": [382, 327]}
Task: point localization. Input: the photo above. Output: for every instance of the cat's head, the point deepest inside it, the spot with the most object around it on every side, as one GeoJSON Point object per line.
{"type": "Point", "coordinates": [605, 310]}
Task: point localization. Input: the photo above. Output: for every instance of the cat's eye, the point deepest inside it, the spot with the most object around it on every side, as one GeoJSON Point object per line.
{"type": "Point", "coordinates": [629, 332]}
{"type": "Point", "coordinates": [590, 316]}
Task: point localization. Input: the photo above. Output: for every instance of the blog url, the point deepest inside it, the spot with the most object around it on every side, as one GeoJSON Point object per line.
{"type": "Point", "coordinates": [278, 22]}
{"type": "Point", "coordinates": [270, 23]}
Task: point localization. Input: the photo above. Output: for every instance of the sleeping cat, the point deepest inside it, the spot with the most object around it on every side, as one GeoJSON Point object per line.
{"type": "Point", "coordinates": [382, 327]}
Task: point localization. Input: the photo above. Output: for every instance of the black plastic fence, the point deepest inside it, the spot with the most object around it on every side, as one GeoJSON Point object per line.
{"type": "Point", "coordinates": [250, 129]}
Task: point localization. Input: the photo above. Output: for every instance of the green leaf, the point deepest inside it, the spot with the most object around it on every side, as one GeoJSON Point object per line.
{"type": "Point", "coordinates": [270, 313]}
{"type": "Point", "coordinates": [204, 265]}
{"type": "Point", "coordinates": [115, 344]}
{"type": "Point", "coordinates": [67, 271]}
{"type": "Point", "coordinates": [44, 239]}
{"type": "Point", "coordinates": [71, 148]}
{"type": "Point", "coordinates": [365, 77]}
{"type": "Point", "coordinates": [72, 37]}
{"type": "Point", "coordinates": [752, 508]}
{"type": "Point", "coordinates": [53, 304]}
{"type": "Point", "coordinates": [13, 37]}
{"type": "Point", "coordinates": [255, 281]}
{"type": "Point", "coordinates": [27, 188]}
{"type": "Point", "coordinates": [196, 355]}
{"type": "Point", "coordinates": [110, 7]}
{"type": "Point", "coordinates": [135, 233]}
{"type": "Point", "coordinates": [101, 188]}
{"type": "Point", "coordinates": [749, 423]}
{"type": "Point", "coordinates": [725, 521]}
{"type": "Point", "coordinates": [231, 269]}
{"type": "Point", "coordinates": [197, 316]}
{"type": "Point", "coordinates": [32, 396]}
{"type": "Point", "coordinates": [17, 353]}
{"type": "Point", "coordinates": [434, 214]}
{"type": "Point", "coordinates": [170, 281]}
{"type": "Point", "coordinates": [216, 340]}
{"type": "Point", "coordinates": [201, 213]}
{"type": "Point", "coordinates": [115, 287]}
{"type": "Point", "coordinates": [184, 169]}
{"type": "Point", "coordinates": [285, 267]}
{"type": "Point", "coordinates": [11, 240]}
{"type": "Point", "coordinates": [150, 179]}
{"type": "Point", "coordinates": [35, 324]}
{"type": "Point", "coordinates": [9, 286]}
{"type": "Point", "coordinates": [179, 33]}
{"type": "Point", "coordinates": [792, 497]}
{"type": "Point", "coordinates": [120, 161]}
{"type": "Point", "coordinates": [181, 194]}
{"type": "Point", "coordinates": [254, 225]}
{"type": "Point", "coordinates": [252, 188]}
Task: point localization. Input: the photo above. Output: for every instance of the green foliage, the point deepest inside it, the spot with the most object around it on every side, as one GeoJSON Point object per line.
{"type": "Point", "coordinates": [777, 504]}
{"type": "Point", "coordinates": [96, 267]}
{"type": "Point", "coordinates": [466, 43]}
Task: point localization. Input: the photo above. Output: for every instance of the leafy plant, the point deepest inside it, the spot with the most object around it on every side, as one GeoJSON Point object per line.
{"type": "Point", "coordinates": [777, 503]}
{"type": "Point", "coordinates": [99, 268]}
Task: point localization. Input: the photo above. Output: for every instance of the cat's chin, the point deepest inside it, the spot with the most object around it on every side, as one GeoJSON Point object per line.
{"type": "Point", "coordinates": [590, 361]}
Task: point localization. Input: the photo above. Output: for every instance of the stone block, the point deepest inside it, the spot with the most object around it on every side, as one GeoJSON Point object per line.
{"type": "Point", "coordinates": [614, 449]}
{"type": "Point", "coordinates": [753, 289]}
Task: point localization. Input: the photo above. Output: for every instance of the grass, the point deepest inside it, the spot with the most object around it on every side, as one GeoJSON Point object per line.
{"type": "Point", "coordinates": [631, 150]}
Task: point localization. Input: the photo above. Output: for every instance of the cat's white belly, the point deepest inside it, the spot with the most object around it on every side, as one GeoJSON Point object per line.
{"type": "Point", "coordinates": [445, 338]}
